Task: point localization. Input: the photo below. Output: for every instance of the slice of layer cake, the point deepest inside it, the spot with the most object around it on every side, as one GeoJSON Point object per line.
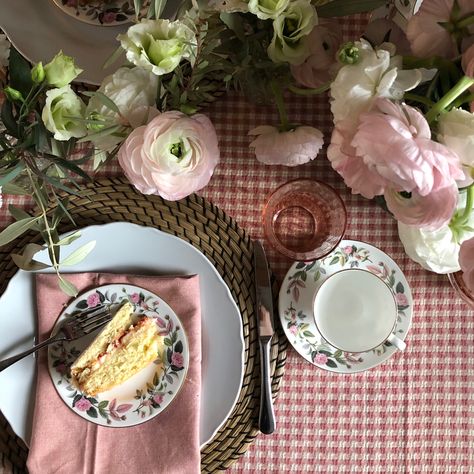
{"type": "Point", "coordinates": [127, 344]}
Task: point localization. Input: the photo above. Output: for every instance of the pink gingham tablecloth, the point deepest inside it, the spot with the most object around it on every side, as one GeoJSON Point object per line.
{"type": "Point", "coordinates": [414, 413]}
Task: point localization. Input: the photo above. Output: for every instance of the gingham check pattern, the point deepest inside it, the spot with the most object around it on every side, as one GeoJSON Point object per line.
{"type": "Point", "coordinates": [412, 414]}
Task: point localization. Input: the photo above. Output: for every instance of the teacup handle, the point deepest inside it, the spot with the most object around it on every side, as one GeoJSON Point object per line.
{"type": "Point", "coordinates": [397, 342]}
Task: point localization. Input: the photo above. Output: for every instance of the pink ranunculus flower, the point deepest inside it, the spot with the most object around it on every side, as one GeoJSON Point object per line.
{"type": "Point", "coordinates": [320, 359]}
{"type": "Point", "coordinates": [321, 65]}
{"type": "Point", "coordinates": [292, 148]}
{"type": "Point", "coordinates": [177, 359]}
{"type": "Point", "coordinates": [83, 404]}
{"type": "Point", "coordinates": [93, 300]}
{"type": "Point", "coordinates": [466, 261]}
{"type": "Point", "coordinates": [431, 211]}
{"type": "Point", "coordinates": [173, 156]}
{"type": "Point", "coordinates": [135, 298]}
{"type": "Point", "coordinates": [344, 159]}
{"type": "Point", "coordinates": [394, 141]}
{"type": "Point", "coordinates": [425, 33]}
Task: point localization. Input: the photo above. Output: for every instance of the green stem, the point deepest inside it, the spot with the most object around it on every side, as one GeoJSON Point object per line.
{"type": "Point", "coordinates": [463, 84]}
{"type": "Point", "coordinates": [418, 98]}
{"type": "Point", "coordinates": [463, 218]}
{"type": "Point", "coordinates": [463, 100]}
{"type": "Point", "coordinates": [284, 124]}
{"type": "Point", "coordinates": [315, 91]}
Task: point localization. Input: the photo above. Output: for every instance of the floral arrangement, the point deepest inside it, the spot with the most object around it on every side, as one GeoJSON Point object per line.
{"type": "Point", "coordinates": [404, 127]}
{"type": "Point", "coordinates": [414, 89]}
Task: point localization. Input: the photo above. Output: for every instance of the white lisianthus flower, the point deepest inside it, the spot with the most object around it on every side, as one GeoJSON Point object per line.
{"type": "Point", "coordinates": [289, 30]}
{"type": "Point", "coordinates": [60, 108]}
{"type": "Point", "coordinates": [437, 250]}
{"type": "Point", "coordinates": [4, 50]}
{"type": "Point", "coordinates": [265, 9]}
{"type": "Point", "coordinates": [292, 148]}
{"type": "Point", "coordinates": [132, 91]}
{"type": "Point", "coordinates": [375, 73]}
{"type": "Point", "coordinates": [159, 45]}
{"type": "Point", "coordinates": [456, 131]}
{"type": "Point", "coordinates": [61, 70]}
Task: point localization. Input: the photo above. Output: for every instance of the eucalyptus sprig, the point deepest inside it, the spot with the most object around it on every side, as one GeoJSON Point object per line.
{"type": "Point", "coordinates": [34, 163]}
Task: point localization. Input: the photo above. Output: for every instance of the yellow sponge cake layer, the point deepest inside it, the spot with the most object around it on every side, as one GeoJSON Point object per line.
{"type": "Point", "coordinates": [124, 347]}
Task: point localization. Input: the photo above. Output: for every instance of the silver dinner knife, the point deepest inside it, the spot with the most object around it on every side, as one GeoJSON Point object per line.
{"type": "Point", "coordinates": [266, 419]}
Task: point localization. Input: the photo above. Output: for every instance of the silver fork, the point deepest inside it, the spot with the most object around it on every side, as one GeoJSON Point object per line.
{"type": "Point", "coordinates": [73, 327]}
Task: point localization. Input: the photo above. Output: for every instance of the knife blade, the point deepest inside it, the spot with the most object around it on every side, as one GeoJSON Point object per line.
{"type": "Point", "coordinates": [264, 311]}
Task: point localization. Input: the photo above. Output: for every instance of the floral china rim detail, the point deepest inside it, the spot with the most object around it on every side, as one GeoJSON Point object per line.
{"type": "Point", "coordinates": [100, 13]}
{"type": "Point", "coordinates": [301, 282]}
{"type": "Point", "coordinates": [147, 393]}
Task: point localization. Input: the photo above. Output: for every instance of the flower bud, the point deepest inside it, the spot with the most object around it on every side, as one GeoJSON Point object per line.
{"type": "Point", "coordinates": [348, 53]}
{"type": "Point", "coordinates": [37, 73]}
{"type": "Point", "coordinates": [13, 95]}
{"type": "Point", "coordinates": [61, 70]}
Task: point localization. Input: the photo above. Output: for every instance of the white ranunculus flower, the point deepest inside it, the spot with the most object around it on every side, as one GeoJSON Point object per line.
{"type": "Point", "coordinates": [131, 90]}
{"type": "Point", "coordinates": [60, 107]}
{"type": "Point", "coordinates": [456, 131]}
{"type": "Point", "coordinates": [289, 30]}
{"type": "Point", "coordinates": [377, 73]}
{"type": "Point", "coordinates": [4, 50]}
{"type": "Point", "coordinates": [159, 45]}
{"type": "Point", "coordinates": [436, 250]}
{"type": "Point", "coordinates": [265, 9]}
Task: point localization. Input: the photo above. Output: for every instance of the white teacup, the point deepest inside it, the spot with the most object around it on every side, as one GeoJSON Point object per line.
{"type": "Point", "coordinates": [356, 311]}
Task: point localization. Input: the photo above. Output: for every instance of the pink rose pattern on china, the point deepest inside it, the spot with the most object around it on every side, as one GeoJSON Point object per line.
{"type": "Point", "coordinates": [300, 326]}
{"type": "Point", "coordinates": [148, 400]}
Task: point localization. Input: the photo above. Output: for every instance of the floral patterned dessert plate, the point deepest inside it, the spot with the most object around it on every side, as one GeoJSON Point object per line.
{"type": "Point", "coordinates": [100, 12]}
{"type": "Point", "coordinates": [148, 392]}
{"type": "Point", "coordinates": [296, 305]}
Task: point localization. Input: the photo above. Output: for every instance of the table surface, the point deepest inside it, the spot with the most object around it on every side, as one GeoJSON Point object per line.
{"type": "Point", "coordinates": [415, 412]}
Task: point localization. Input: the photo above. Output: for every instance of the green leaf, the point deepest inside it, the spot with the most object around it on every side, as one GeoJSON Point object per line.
{"type": "Point", "coordinates": [11, 188]}
{"type": "Point", "coordinates": [334, 261]}
{"type": "Point", "coordinates": [113, 58]}
{"type": "Point", "coordinates": [137, 5]}
{"type": "Point", "coordinates": [20, 72]}
{"type": "Point", "coordinates": [16, 229]}
{"type": "Point", "coordinates": [331, 363]}
{"type": "Point", "coordinates": [12, 174]}
{"type": "Point", "coordinates": [8, 120]}
{"type": "Point", "coordinates": [167, 342]}
{"type": "Point", "coordinates": [103, 404]}
{"type": "Point", "coordinates": [79, 254]}
{"type": "Point", "coordinates": [25, 260]}
{"type": "Point", "coordinates": [159, 6]}
{"type": "Point", "coordinates": [92, 412]}
{"type": "Point", "coordinates": [399, 288]}
{"type": "Point", "coordinates": [67, 287]}
{"type": "Point", "coordinates": [308, 334]}
{"type": "Point", "coordinates": [109, 103]}
{"type": "Point", "coordinates": [70, 238]}
{"type": "Point", "coordinates": [178, 347]}
{"type": "Point", "coordinates": [18, 213]}
{"type": "Point", "coordinates": [300, 265]}
{"type": "Point", "coordinates": [343, 7]}
{"type": "Point", "coordinates": [101, 133]}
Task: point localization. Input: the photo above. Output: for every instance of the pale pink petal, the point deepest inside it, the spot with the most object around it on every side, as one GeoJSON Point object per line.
{"type": "Point", "coordinates": [137, 156]}
{"type": "Point", "coordinates": [431, 212]}
{"type": "Point", "coordinates": [321, 65]}
{"type": "Point", "coordinates": [292, 148]}
{"type": "Point", "coordinates": [394, 142]}
{"type": "Point", "coordinates": [356, 174]}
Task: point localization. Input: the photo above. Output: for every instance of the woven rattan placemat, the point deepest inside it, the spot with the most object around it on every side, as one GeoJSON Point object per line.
{"type": "Point", "coordinates": [229, 249]}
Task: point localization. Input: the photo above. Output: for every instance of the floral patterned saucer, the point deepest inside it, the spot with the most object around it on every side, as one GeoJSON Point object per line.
{"type": "Point", "coordinates": [296, 305]}
{"type": "Point", "coordinates": [100, 12]}
{"type": "Point", "coordinates": [147, 393]}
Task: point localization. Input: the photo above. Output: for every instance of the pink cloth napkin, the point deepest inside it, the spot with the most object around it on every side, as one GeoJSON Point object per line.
{"type": "Point", "coordinates": [63, 442]}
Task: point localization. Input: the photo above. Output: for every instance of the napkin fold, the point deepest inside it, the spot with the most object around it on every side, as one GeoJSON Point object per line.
{"type": "Point", "coordinates": [63, 442]}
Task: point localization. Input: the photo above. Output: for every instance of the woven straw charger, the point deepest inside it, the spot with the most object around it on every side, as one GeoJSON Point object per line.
{"type": "Point", "coordinates": [227, 247]}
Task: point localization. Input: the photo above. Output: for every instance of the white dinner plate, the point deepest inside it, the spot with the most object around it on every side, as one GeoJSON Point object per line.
{"type": "Point", "coordinates": [39, 29]}
{"type": "Point", "coordinates": [130, 248]}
